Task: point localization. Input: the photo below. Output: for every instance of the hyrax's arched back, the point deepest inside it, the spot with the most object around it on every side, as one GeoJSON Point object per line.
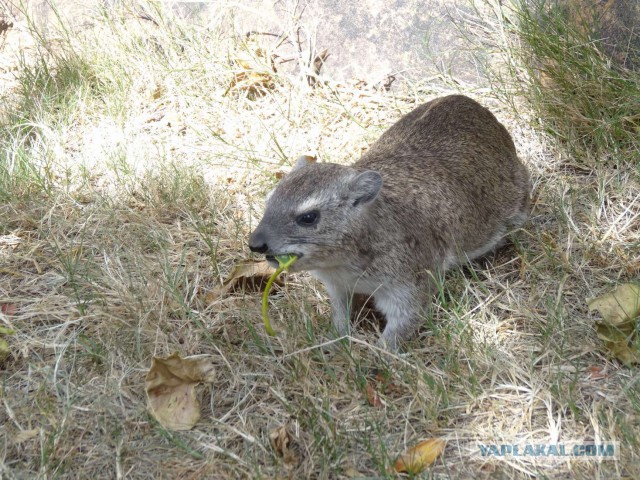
{"type": "Point", "coordinates": [441, 186]}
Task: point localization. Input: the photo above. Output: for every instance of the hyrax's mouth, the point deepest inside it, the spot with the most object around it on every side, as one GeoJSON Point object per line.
{"type": "Point", "coordinates": [274, 263]}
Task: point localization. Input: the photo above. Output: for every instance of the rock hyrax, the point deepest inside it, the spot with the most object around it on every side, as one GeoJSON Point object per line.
{"type": "Point", "coordinates": [440, 187]}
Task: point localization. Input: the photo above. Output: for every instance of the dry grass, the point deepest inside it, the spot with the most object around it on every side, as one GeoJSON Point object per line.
{"type": "Point", "coordinates": [129, 182]}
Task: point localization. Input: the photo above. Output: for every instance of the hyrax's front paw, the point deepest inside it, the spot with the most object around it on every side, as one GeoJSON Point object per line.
{"type": "Point", "coordinates": [390, 343]}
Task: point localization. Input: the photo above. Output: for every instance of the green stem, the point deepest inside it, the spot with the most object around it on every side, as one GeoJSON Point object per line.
{"type": "Point", "coordinates": [285, 262]}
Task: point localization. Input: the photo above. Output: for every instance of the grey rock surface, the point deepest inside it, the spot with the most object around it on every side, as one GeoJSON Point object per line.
{"type": "Point", "coordinates": [367, 40]}
{"type": "Point", "coordinates": [372, 39]}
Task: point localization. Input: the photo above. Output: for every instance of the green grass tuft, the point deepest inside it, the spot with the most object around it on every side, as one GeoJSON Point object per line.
{"type": "Point", "coordinates": [581, 93]}
{"type": "Point", "coordinates": [585, 99]}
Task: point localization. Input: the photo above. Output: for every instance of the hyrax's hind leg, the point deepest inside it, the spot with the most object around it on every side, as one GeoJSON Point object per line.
{"type": "Point", "coordinates": [498, 239]}
{"type": "Point", "coordinates": [520, 214]}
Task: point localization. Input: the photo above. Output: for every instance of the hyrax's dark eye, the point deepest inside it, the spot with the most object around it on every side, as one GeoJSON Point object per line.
{"type": "Point", "coordinates": [308, 219]}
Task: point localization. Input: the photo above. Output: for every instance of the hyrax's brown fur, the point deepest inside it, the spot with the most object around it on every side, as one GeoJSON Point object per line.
{"type": "Point", "coordinates": [442, 186]}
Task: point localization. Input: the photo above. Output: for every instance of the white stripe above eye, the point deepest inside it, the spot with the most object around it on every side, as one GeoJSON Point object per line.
{"type": "Point", "coordinates": [311, 203]}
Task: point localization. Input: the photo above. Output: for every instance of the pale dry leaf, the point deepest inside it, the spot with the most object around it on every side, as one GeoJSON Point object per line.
{"type": "Point", "coordinates": [352, 473]}
{"type": "Point", "coordinates": [419, 457]}
{"type": "Point", "coordinates": [619, 327]}
{"type": "Point", "coordinates": [618, 306]}
{"type": "Point", "coordinates": [171, 389]}
{"type": "Point", "coordinates": [24, 435]}
{"type": "Point", "coordinates": [620, 341]}
{"type": "Point", "coordinates": [247, 276]}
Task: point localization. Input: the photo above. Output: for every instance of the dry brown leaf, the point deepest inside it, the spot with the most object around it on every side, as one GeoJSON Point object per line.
{"type": "Point", "coordinates": [317, 64]}
{"type": "Point", "coordinates": [25, 435]}
{"type": "Point", "coordinates": [419, 457]}
{"type": "Point", "coordinates": [618, 329]}
{"type": "Point", "coordinates": [9, 309]}
{"type": "Point", "coordinates": [384, 382]}
{"type": "Point", "coordinates": [157, 91]}
{"type": "Point", "coordinates": [372, 396]}
{"type": "Point", "coordinates": [171, 389]}
{"type": "Point", "coordinates": [254, 74]}
{"type": "Point", "coordinates": [247, 276]}
{"type": "Point", "coordinates": [596, 372]}
{"type": "Point", "coordinates": [5, 25]}
{"type": "Point", "coordinates": [282, 442]}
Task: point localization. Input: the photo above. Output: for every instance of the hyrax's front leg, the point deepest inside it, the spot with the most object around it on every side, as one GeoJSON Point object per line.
{"type": "Point", "coordinates": [402, 308]}
{"type": "Point", "coordinates": [340, 309]}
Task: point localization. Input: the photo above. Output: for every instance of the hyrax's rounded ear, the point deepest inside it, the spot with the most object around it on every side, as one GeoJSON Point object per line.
{"type": "Point", "coordinates": [303, 161]}
{"type": "Point", "coordinates": [365, 187]}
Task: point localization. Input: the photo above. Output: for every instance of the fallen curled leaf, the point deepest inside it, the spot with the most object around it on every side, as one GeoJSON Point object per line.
{"type": "Point", "coordinates": [383, 382]}
{"type": "Point", "coordinates": [596, 372]}
{"type": "Point", "coordinates": [246, 276]}
{"type": "Point", "coordinates": [373, 398]}
{"type": "Point", "coordinates": [619, 327]}
{"type": "Point", "coordinates": [283, 443]}
{"type": "Point", "coordinates": [171, 389]}
{"type": "Point", "coordinates": [419, 457]}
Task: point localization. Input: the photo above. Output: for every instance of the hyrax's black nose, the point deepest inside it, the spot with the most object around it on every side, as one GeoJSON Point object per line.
{"type": "Point", "coordinates": [257, 243]}
{"type": "Point", "coordinates": [258, 248]}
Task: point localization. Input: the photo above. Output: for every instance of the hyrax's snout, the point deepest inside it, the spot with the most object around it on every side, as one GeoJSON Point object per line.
{"type": "Point", "coordinates": [258, 242]}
